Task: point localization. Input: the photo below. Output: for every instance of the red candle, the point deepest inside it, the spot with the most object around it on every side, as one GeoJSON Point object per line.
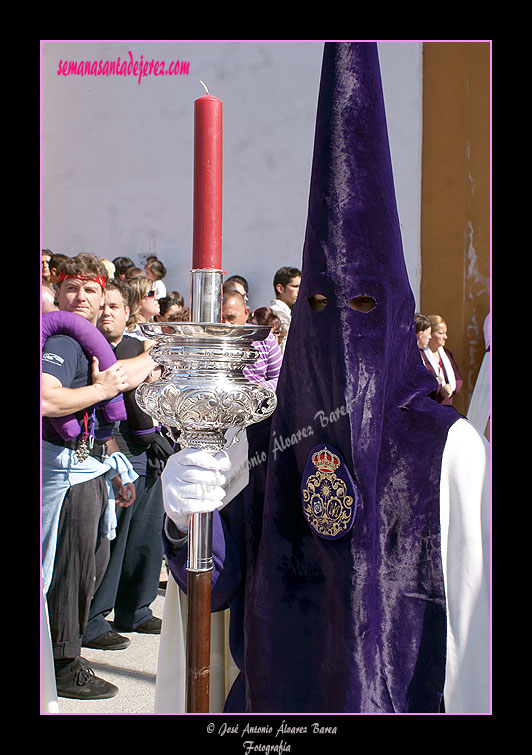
{"type": "Point", "coordinates": [207, 238]}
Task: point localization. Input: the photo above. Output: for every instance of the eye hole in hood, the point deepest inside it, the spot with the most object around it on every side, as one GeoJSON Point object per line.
{"type": "Point", "coordinates": [362, 303]}
{"type": "Point", "coordinates": [318, 302]}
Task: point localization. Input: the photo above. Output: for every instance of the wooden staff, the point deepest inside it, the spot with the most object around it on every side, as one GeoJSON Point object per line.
{"type": "Point", "coordinates": [198, 641]}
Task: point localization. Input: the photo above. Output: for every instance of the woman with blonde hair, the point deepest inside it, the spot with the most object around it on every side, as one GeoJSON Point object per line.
{"type": "Point", "coordinates": [440, 361]}
{"type": "Point", "coordinates": [143, 304]}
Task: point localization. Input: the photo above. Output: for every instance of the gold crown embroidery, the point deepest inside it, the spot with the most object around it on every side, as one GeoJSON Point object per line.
{"type": "Point", "coordinates": [326, 505]}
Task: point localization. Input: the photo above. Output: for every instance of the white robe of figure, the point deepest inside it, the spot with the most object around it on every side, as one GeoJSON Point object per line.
{"type": "Point", "coordinates": [49, 702]}
{"type": "Point", "coordinates": [478, 412]}
{"type": "Point", "coordinates": [170, 686]}
{"type": "Point", "coordinates": [465, 547]}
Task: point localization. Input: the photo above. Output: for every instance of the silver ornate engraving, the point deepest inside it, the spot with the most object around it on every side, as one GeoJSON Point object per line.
{"type": "Point", "coordinates": [203, 390]}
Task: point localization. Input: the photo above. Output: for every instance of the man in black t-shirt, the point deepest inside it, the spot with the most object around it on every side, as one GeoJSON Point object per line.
{"type": "Point", "coordinates": [131, 581]}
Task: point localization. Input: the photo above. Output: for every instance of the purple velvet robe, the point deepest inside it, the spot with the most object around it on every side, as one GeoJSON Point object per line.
{"type": "Point", "coordinates": [356, 623]}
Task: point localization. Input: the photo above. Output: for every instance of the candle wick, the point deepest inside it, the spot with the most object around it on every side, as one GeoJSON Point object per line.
{"type": "Point", "coordinates": [204, 86]}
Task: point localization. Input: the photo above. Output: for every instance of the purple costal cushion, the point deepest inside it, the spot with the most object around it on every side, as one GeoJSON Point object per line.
{"type": "Point", "coordinates": [93, 343]}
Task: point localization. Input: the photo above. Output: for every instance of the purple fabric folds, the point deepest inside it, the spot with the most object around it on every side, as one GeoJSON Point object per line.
{"type": "Point", "coordinates": [93, 343]}
{"type": "Point", "coordinates": [356, 623]}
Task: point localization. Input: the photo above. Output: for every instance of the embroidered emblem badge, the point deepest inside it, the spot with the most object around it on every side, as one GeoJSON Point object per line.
{"type": "Point", "coordinates": [329, 494]}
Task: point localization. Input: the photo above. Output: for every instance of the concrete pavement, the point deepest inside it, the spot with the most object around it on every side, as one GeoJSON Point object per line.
{"type": "Point", "coordinates": [133, 670]}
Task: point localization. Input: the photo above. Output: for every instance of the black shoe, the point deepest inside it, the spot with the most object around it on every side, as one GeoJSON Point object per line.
{"type": "Point", "coordinates": [79, 682]}
{"type": "Point", "coordinates": [152, 626]}
{"type": "Point", "coordinates": [108, 641]}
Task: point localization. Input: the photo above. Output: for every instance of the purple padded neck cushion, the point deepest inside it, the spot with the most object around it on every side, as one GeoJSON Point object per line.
{"type": "Point", "coordinates": [93, 343]}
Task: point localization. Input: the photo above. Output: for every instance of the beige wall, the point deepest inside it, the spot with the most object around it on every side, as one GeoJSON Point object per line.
{"type": "Point", "coordinates": [455, 198]}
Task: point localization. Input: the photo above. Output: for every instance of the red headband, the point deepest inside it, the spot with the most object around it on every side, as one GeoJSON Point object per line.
{"type": "Point", "coordinates": [96, 278]}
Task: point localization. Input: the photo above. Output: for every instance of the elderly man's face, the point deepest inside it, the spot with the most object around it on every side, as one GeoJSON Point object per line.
{"type": "Point", "coordinates": [234, 312]}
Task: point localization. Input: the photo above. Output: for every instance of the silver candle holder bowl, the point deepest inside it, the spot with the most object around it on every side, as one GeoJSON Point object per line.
{"type": "Point", "coordinates": [203, 391]}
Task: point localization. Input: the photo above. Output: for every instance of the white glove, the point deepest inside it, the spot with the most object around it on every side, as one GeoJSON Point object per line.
{"type": "Point", "coordinates": [192, 483]}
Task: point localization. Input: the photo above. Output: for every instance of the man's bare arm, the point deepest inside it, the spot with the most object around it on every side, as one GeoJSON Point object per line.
{"type": "Point", "coordinates": [137, 368]}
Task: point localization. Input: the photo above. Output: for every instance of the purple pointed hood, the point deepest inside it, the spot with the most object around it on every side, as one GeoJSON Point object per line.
{"type": "Point", "coordinates": [350, 618]}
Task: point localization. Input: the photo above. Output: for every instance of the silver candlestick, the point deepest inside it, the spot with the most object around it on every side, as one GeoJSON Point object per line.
{"type": "Point", "coordinates": [203, 391]}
